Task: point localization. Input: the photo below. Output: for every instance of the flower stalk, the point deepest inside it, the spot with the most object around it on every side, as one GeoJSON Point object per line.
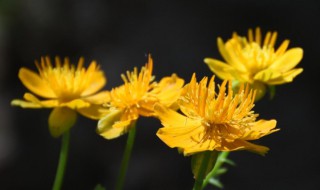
{"type": "Point", "coordinates": [126, 157]}
{"type": "Point", "coordinates": [221, 159]}
{"type": "Point", "coordinates": [207, 160]}
{"type": "Point", "coordinates": [62, 161]}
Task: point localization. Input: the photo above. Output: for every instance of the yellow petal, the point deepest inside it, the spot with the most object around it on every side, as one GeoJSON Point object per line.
{"type": "Point", "coordinates": [61, 120]}
{"type": "Point", "coordinates": [290, 75]}
{"type": "Point", "coordinates": [146, 109]}
{"type": "Point", "coordinates": [200, 147]}
{"type": "Point", "coordinates": [112, 132]}
{"type": "Point", "coordinates": [188, 140]}
{"type": "Point", "coordinates": [25, 104]}
{"type": "Point", "coordinates": [286, 77]}
{"type": "Point", "coordinates": [222, 50]}
{"type": "Point", "coordinates": [172, 82]}
{"type": "Point", "coordinates": [126, 124]}
{"type": "Point", "coordinates": [260, 129]}
{"type": "Point", "coordinates": [180, 137]}
{"type": "Point", "coordinates": [35, 84]}
{"type": "Point", "coordinates": [237, 60]}
{"type": "Point", "coordinates": [168, 89]}
{"type": "Point", "coordinates": [99, 98]}
{"type": "Point", "coordinates": [94, 111]}
{"type": "Point", "coordinates": [106, 125]}
{"type": "Point", "coordinates": [288, 61]}
{"type": "Point", "coordinates": [43, 103]}
{"type": "Point", "coordinates": [221, 69]}
{"type": "Point", "coordinates": [267, 75]}
{"type": "Point", "coordinates": [170, 118]}
{"type": "Point", "coordinates": [258, 149]}
{"type": "Point", "coordinates": [97, 80]}
{"type": "Point", "coordinates": [243, 145]}
{"type": "Point", "coordinates": [75, 104]}
{"type": "Point", "coordinates": [230, 59]}
{"type": "Point", "coordinates": [231, 146]}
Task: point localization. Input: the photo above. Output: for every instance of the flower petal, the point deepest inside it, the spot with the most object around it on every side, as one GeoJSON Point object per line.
{"type": "Point", "coordinates": [99, 98]}
{"type": "Point", "coordinates": [94, 111]}
{"type": "Point", "coordinates": [75, 104]}
{"type": "Point", "coordinates": [288, 61]}
{"type": "Point", "coordinates": [231, 60]}
{"type": "Point", "coordinates": [35, 84]}
{"type": "Point", "coordinates": [25, 104]}
{"type": "Point", "coordinates": [110, 126]}
{"type": "Point", "coordinates": [170, 118]}
{"type": "Point", "coordinates": [113, 132]}
{"type": "Point", "coordinates": [261, 128]}
{"type": "Point", "coordinates": [61, 119]}
{"type": "Point", "coordinates": [221, 69]}
{"type": "Point", "coordinates": [267, 75]}
{"type": "Point", "coordinates": [97, 80]}
{"type": "Point", "coordinates": [44, 103]}
{"type": "Point", "coordinates": [181, 132]}
{"type": "Point", "coordinates": [243, 145]}
{"type": "Point", "coordinates": [224, 53]}
{"type": "Point", "coordinates": [145, 109]}
{"type": "Point", "coordinates": [168, 89]}
{"type": "Point", "coordinates": [286, 77]}
{"type": "Point", "coordinates": [200, 147]}
{"type": "Point", "coordinates": [181, 137]}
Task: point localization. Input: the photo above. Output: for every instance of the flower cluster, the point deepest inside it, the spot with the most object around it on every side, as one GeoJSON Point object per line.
{"type": "Point", "coordinates": [197, 117]}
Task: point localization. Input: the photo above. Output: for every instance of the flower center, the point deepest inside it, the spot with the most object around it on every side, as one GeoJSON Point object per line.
{"type": "Point", "coordinates": [65, 82]}
{"type": "Point", "coordinates": [218, 132]}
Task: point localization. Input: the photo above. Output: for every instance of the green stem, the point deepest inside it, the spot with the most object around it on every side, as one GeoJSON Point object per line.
{"type": "Point", "coordinates": [62, 161]}
{"type": "Point", "coordinates": [222, 157]}
{"type": "Point", "coordinates": [126, 157]}
{"type": "Point", "coordinates": [202, 171]}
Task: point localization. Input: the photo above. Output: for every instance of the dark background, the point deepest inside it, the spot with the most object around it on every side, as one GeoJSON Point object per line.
{"type": "Point", "coordinates": [179, 35]}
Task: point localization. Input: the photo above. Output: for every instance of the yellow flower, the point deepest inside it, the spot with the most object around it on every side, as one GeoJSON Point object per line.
{"type": "Point", "coordinates": [248, 60]}
{"type": "Point", "coordinates": [65, 88]}
{"type": "Point", "coordinates": [213, 121]}
{"type": "Point", "coordinates": [137, 97]}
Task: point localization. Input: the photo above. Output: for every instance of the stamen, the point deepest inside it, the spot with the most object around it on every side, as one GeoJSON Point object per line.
{"type": "Point", "coordinates": [273, 39]}
{"type": "Point", "coordinates": [283, 47]}
{"type": "Point", "coordinates": [258, 36]}
{"type": "Point", "coordinates": [250, 35]}
{"type": "Point", "coordinates": [58, 61]}
{"type": "Point", "coordinates": [267, 39]}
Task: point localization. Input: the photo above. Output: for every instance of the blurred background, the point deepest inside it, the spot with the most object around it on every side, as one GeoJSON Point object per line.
{"type": "Point", "coordinates": [179, 35]}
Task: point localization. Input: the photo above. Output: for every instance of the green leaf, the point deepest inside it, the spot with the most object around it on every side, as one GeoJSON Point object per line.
{"type": "Point", "coordinates": [230, 162]}
{"type": "Point", "coordinates": [221, 171]}
{"type": "Point", "coordinates": [218, 170]}
{"type": "Point", "coordinates": [216, 182]}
